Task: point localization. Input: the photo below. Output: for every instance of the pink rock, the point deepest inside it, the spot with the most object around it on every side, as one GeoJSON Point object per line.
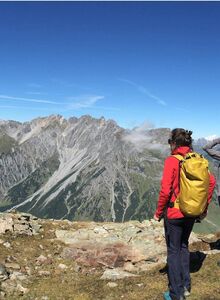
{"type": "Point", "coordinates": [111, 256]}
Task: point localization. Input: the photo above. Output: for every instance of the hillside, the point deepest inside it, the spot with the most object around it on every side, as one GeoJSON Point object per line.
{"type": "Point", "coordinates": [59, 259]}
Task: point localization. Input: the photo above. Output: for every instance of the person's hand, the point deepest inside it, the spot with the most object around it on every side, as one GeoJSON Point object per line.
{"type": "Point", "coordinates": [156, 218]}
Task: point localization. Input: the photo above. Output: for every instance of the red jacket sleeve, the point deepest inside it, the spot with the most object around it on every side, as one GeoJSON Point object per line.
{"type": "Point", "coordinates": [211, 190]}
{"type": "Point", "coordinates": [169, 171]}
{"type": "Point", "coordinates": [212, 183]}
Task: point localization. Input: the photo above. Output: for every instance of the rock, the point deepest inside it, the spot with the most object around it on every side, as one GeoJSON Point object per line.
{"type": "Point", "coordinates": [28, 217]}
{"type": "Point", "coordinates": [62, 266]}
{"type": "Point", "coordinates": [100, 230]}
{"type": "Point", "coordinates": [18, 276]}
{"type": "Point", "coordinates": [40, 259]}
{"type": "Point", "coordinates": [152, 259]}
{"type": "Point", "coordinates": [10, 258]}
{"type": "Point", "coordinates": [19, 223]}
{"type": "Point", "coordinates": [22, 228]}
{"type": "Point", "coordinates": [211, 252]}
{"type": "Point", "coordinates": [208, 238]}
{"type": "Point", "coordinates": [77, 268]}
{"type": "Point", "coordinates": [36, 228]}
{"type": "Point", "coordinates": [194, 238]}
{"type": "Point", "coordinates": [112, 245]}
{"type": "Point", "coordinates": [12, 265]}
{"type": "Point", "coordinates": [114, 274]}
{"type": "Point", "coordinates": [140, 284]}
{"type": "Point", "coordinates": [2, 294]}
{"type": "Point", "coordinates": [28, 270]}
{"type": "Point", "coordinates": [97, 254]}
{"type": "Point", "coordinates": [3, 273]}
{"type": "Point", "coordinates": [9, 286]}
{"type": "Point", "coordinates": [112, 284]}
{"type": "Point", "coordinates": [43, 260]}
{"type": "Point", "coordinates": [130, 267]}
{"type": "Point", "coordinates": [44, 273]}
{"type": "Point", "coordinates": [24, 218]}
{"type": "Point", "coordinates": [22, 289]}
{"type": "Point", "coordinates": [71, 237]}
{"type": "Point", "coordinates": [6, 223]}
{"type": "Point", "coordinates": [143, 266]}
{"type": "Point", "coordinates": [7, 245]}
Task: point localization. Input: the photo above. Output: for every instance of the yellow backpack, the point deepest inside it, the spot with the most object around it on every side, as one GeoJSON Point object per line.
{"type": "Point", "coordinates": [193, 184]}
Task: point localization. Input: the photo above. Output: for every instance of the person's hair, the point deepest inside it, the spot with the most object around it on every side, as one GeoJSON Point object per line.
{"type": "Point", "coordinates": [181, 137]}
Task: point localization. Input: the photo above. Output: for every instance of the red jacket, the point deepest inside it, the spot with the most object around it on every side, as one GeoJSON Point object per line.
{"type": "Point", "coordinates": [170, 182]}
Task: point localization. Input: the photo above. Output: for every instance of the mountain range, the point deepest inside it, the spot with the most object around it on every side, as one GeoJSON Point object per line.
{"type": "Point", "coordinates": [81, 168]}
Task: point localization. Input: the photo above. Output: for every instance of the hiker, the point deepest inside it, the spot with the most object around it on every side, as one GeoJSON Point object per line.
{"type": "Point", "coordinates": [177, 226]}
{"type": "Point", "coordinates": [216, 155]}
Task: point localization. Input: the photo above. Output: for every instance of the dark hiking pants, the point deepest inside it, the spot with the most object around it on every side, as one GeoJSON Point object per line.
{"type": "Point", "coordinates": [177, 232]}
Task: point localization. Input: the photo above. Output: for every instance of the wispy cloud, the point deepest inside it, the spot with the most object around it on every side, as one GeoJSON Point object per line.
{"type": "Point", "coordinates": [70, 103]}
{"type": "Point", "coordinates": [144, 91]}
{"type": "Point", "coordinates": [84, 102]}
{"type": "Point", "coordinates": [211, 137]}
{"type": "Point", "coordinates": [142, 139]}
{"type": "Point", "coordinates": [6, 97]}
{"type": "Point", "coordinates": [144, 127]}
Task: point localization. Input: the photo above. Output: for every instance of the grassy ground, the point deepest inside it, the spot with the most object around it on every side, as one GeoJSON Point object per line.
{"type": "Point", "coordinates": [86, 285]}
{"type": "Point", "coordinates": [205, 285]}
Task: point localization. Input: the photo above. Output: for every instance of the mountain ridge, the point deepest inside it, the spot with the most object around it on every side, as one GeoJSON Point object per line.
{"type": "Point", "coordinates": [81, 168]}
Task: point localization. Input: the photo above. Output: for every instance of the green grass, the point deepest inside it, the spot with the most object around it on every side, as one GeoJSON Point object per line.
{"type": "Point", "coordinates": [211, 223]}
{"type": "Point", "coordinates": [6, 143]}
{"type": "Point", "coordinates": [5, 203]}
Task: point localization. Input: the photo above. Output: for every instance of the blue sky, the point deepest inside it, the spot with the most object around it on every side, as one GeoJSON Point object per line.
{"type": "Point", "coordinates": [134, 62]}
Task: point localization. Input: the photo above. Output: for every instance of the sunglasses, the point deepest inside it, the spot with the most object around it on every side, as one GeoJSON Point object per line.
{"type": "Point", "coordinates": [169, 141]}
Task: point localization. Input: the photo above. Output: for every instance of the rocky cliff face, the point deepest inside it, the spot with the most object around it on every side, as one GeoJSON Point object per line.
{"type": "Point", "coordinates": [84, 168]}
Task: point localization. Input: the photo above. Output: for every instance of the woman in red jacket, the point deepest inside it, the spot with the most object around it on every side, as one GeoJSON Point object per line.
{"type": "Point", "coordinates": [177, 226]}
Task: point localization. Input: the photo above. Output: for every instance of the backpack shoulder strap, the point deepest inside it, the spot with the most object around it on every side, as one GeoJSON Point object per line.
{"type": "Point", "coordinates": [175, 204]}
{"type": "Point", "coordinates": [187, 155]}
{"type": "Point", "coordinates": [178, 156]}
